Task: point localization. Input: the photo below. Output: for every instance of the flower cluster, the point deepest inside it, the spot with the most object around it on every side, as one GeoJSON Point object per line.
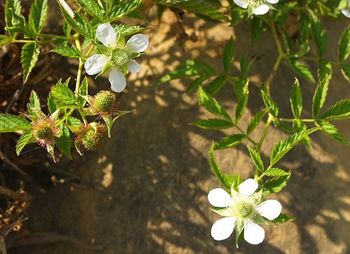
{"type": "Point", "coordinates": [242, 210]}
{"type": "Point", "coordinates": [256, 7]}
{"type": "Point", "coordinates": [116, 56]}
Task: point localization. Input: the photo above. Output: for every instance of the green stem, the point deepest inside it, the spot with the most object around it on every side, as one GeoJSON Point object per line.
{"type": "Point", "coordinates": [80, 68]}
{"type": "Point", "coordinates": [22, 41]}
{"type": "Point", "coordinates": [266, 129]}
{"type": "Point", "coordinates": [245, 134]}
{"type": "Point", "coordinates": [306, 120]}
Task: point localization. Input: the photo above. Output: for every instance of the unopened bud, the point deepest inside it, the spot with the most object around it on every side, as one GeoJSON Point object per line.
{"type": "Point", "coordinates": [104, 103]}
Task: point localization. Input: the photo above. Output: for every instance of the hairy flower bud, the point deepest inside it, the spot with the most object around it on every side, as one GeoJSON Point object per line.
{"type": "Point", "coordinates": [104, 103]}
{"type": "Point", "coordinates": [89, 137]}
{"type": "Point", "coordinates": [44, 131]}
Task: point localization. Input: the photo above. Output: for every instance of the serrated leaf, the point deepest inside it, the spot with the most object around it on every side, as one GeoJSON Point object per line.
{"type": "Point", "coordinates": [37, 16]}
{"type": "Point", "coordinates": [256, 158]}
{"type": "Point", "coordinates": [64, 142]}
{"type": "Point", "coordinates": [276, 184]}
{"type": "Point", "coordinates": [195, 84]}
{"type": "Point", "coordinates": [332, 131]}
{"type": "Point", "coordinates": [270, 103]}
{"type": "Point", "coordinates": [63, 96]}
{"type": "Point", "coordinates": [67, 51]}
{"type": "Point", "coordinates": [284, 146]}
{"type": "Point", "coordinates": [344, 45]}
{"type": "Point", "coordinates": [29, 57]}
{"type": "Point", "coordinates": [256, 28]}
{"type": "Point", "coordinates": [214, 86]}
{"type": "Point", "coordinates": [229, 141]}
{"type": "Point", "coordinates": [34, 107]}
{"type": "Point", "coordinates": [78, 22]}
{"type": "Point", "coordinates": [217, 170]}
{"type": "Point", "coordinates": [5, 39]}
{"type": "Point", "coordinates": [213, 124]}
{"type": "Point", "coordinates": [51, 104]}
{"type": "Point", "coordinates": [242, 94]}
{"type": "Point", "coordinates": [282, 218]}
{"type": "Point", "coordinates": [12, 123]}
{"type": "Point", "coordinates": [345, 70]}
{"type": "Point", "coordinates": [302, 70]}
{"type": "Point", "coordinates": [93, 8]}
{"type": "Point", "coordinates": [276, 172]}
{"type": "Point", "coordinates": [325, 75]}
{"type": "Point", "coordinates": [319, 35]}
{"type": "Point", "coordinates": [211, 105]}
{"type": "Point", "coordinates": [340, 110]}
{"type": "Point", "coordinates": [229, 56]}
{"type": "Point", "coordinates": [13, 17]}
{"type": "Point", "coordinates": [296, 99]}
{"type": "Point", "coordinates": [121, 8]}
{"type": "Point", "coordinates": [126, 30]}
{"type": "Point", "coordinates": [26, 138]}
{"type": "Point", "coordinates": [255, 121]}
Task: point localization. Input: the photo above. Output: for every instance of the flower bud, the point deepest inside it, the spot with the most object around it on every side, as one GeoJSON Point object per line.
{"type": "Point", "coordinates": [104, 103]}
{"type": "Point", "coordinates": [89, 137]}
{"type": "Point", "coordinates": [44, 131]}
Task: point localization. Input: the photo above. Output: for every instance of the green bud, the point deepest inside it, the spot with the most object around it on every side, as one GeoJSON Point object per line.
{"type": "Point", "coordinates": [44, 131]}
{"type": "Point", "coordinates": [104, 103]}
{"type": "Point", "coordinates": [89, 138]}
{"type": "Point", "coordinates": [120, 56]}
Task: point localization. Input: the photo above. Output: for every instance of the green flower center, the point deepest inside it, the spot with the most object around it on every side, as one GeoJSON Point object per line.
{"type": "Point", "coordinates": [243, 209]}
{"type": "Point", "coordinates": [120, 57]}
{"type": "Point", "coordinates": [255, 3]}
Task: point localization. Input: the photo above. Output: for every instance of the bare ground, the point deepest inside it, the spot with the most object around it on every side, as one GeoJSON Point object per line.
{"type": "Point", "coordinates": [144, 191]}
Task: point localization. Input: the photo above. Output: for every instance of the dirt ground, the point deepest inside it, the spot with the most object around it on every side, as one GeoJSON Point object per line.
{"type": "Point", "coordinates": [144, 191]}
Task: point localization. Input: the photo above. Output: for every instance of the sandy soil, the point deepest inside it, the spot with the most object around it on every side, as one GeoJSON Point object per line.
{"type": "Point", "coordinates": [144, 191]}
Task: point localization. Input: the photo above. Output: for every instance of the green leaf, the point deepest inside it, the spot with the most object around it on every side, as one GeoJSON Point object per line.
{"type": "Point", "coordinates": [256, 158]}
{"type": "Point", "coordinates": [319, 35]}
{"type": "Point", "coordinates": [12, 123]}
{"type": "Point", "coordinates": [25, 139]}
{"type": "Point", "coordinates": [37, 16]}
{"type": "Point", "coordinates": [34, 107]}
{"type": "Point", "coordinates": [29, 57]}
{"type": "Point", "coordinates": [340, 110]}
{"type": "Point", "coordinates": [51, 104]}
{"type": "Point", "coordinates": [217, 170]}
{"type": "Point", "coordinates": [207, 8]}
{"type": "Point", "coordinates": [126, 30]}
{"type": "Point", "coordinates": [5, 39]}
{"type": "Point", "coordinates": [214, 86]}
{"type": "Point", "coordinates": [332, 131]}
{"type": "Point", "coordinates": [302, 70]}
{"type": "Point", "coordinates": [93, 8]}
{"type": "Point", "coordinates": [345, 70]}
{"type": "Point", "coordinates": [213, 124]}
{"type": "Point", "coordinates": [256, 28]}
{"type": "Point", "coordinates": [276, 172]}
{"type": "Point", "coordinates": [67, 51]}
{"type": "Point", "coordinates": [284, 146]}
{"type": "Point", "coordinates": [13, 17]}
{"type": "Point", "coordinates": [64, 142]}
{"type": "Point", "coordinates": [211, 105]}
{"type": "Point", "coordinates": [255, 121]}
{"type": "Point", "coordinates": [121, 8]}
{"type": "Point", "coordinates": [229, 56]}
{"type": "Point", "coordinates": [344, 45]}
{"type": "Point", "coordinates": [79, 23]}
{"type": "Point", "coordinates": [325, 75]}
{"type": "Point", "coordinates": [195, 84]}
{"type": "Point", "coordinates": [242, 93]}
{"type": "Point", "coordinates": [229, 141]}
{"type": "Point", "coordinates": [276, 184]}
{"type": "Point", "coordinates": [296, 99]}
{"type": "Point", "coordinates": [63, 96]}
{"type": "Point", "coordinates": [282, 218]}
{"type": "Point", "coordinates": [83, 92]}
{"type": "Point", "coordinates": [270, 103]}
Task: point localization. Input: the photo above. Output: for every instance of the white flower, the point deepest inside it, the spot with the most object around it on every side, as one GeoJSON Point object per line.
{"type": "Point", "coordinates": [117, 58]}
{"type": "Point", "coordinates": [257, 7]}
{"type": "Point", "coordinates": [242, 210]}
{"type": "Point", "coordinates": [346, 11]}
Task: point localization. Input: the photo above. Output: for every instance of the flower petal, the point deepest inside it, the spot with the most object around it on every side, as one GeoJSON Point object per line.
{"type": "Point", "coordinates": [137, 43]}
{"type": "Point", "coordinates": [346, 12]}
{"type": "Point", "coordinates": [219, 198]}
{"type": "Point", "coordinates": [253, 233]}
{"type": "Point", "coordinates": [270, 209]}
{"type": "Point", "coordinates": [261, 10]}
{"type": "Point", "coordinates": [223, 228]}
{"type": "Point", "coordinates": [248, 187]}
{"type": "Point", "coordinates": [272, 1]}
{"type": "Point", "coordinates": [106, 34]}
{"type": "Point", "coordinates": [134, 66]}
{"type": "Point", "coordinates": [241, 3]}
{"type": "Point", "coordinates": [117, 80]}
{"type": "Point", "coordinates": [95, 64]}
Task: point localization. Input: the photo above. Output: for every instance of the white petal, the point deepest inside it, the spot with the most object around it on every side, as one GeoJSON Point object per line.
{"type": "Point", "coordinates": [106, 34]}
{"type": "Point", "coordinates": [270, 209]}
{"type": "Point", "coordinates": [117, 80]}
{"type": "Point", "coordinates": [241, 3]}
{"type": "Point", "coordinates": [137, 43]}
{"type": "Point", "coordinates": [134, 66]}
{"type": "Point", "coordinates": [253, 233]}
{"type": "Point", "coordinates": [219, 198]}
{"type": "Point", "coordinates": [248, 187]}
{"type": "Point", "coordinates": [223, 228]}
{"type": "Point", "coordinates": [95, 64]}
{"type": "Point", "coordinates": [261, 10]}
{"type": "Point", "coordinates": [346, 12]}
{"type": "Point", "coordinates": [272, 1]}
